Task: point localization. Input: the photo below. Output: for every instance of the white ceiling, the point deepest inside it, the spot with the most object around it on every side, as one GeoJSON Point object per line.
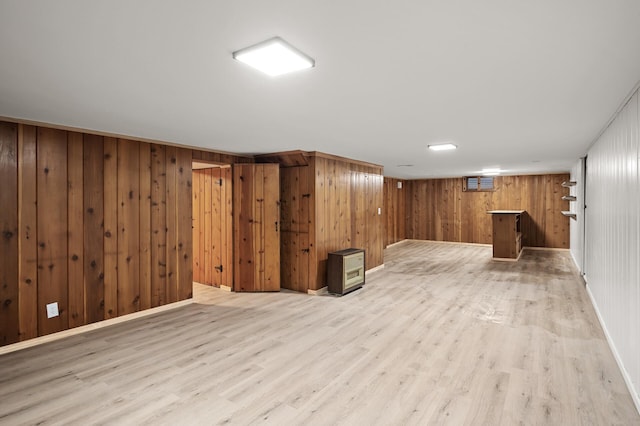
{"type": "Point", "coordinates": [523, 85]}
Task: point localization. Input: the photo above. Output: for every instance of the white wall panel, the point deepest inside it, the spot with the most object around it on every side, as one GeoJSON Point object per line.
{"type": "Point", "coordinates": [576, 227]}
{"type": "Point", "coordinates": [612, 238]}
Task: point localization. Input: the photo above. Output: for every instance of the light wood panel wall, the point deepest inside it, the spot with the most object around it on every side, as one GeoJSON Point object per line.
{"type": "Point", "coordinates": [328, 203]}
{"type": "Point", "coordinates": [213, 227]}
{"type": "Point", "coordinates": [348, 194]}
{"type": "Point", "coordinates": [394, 211]}
{"type": "Point", "coordinates": [100, 225]}
{"type": "Point", "coordinates": [438, 209]}
{"type": "Point", "coordinates": [347, 197]}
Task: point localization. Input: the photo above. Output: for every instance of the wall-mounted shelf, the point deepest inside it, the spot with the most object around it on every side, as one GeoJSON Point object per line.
{"type": "Point", "coordinates": [568, 184]}
{"type": "Point", "coordinates": [569, 198]}
{"type": "Point", "coordinates": [572, 215]}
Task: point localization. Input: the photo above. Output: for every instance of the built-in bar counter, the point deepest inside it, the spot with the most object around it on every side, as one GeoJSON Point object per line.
{"type": "Point", "coordinates": [507, 235]}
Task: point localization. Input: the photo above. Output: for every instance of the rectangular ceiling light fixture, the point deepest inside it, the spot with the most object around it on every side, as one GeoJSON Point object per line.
{"type": "Point", "coordinates": [442, 147]}
{"type": "Point", "coordinates": [274, 57]}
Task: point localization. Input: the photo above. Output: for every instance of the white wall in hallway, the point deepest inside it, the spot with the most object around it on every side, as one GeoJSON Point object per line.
{"type": "Point", "coordinates": [576, 227]}
{"type": "Point", "coordinates": [613, 237]}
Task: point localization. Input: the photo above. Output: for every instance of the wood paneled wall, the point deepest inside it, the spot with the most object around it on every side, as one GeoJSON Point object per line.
{"type": "Point", "coordinates": [394, 211]}
{"type": "Point", "coordinates": [296, 195]}
{"type": "Point", "coordinates": [100, 225]}
{"type": "Point", "coordinates": [438, 209]}
{"type": "Point", "coordinates": [348, 195]}
{"type": "Point", "coordinates": [256, 224]}
{"type": "Point", "coordinates": [328, 203]}
{"type": "Point", "coordinates": [213, 227]}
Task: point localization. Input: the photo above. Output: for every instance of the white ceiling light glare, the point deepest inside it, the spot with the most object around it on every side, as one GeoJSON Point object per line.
{"type": "Point", "coordinates": [491, 171]}
{"type": "Point", "coordinates": [442, 147]}
{"type": "Point", "coordinates": [274, 57]}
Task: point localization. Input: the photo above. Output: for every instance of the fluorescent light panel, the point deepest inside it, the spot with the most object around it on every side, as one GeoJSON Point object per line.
{"type": "Point", "coordinates": [274, 57]}
{"type": "Point", "coordinates": [442, 147]}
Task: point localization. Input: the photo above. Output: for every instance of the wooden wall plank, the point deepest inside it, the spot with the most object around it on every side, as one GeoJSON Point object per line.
{"type": "Point", "coordinates": [216, 226]}
{"type": "Point", "coordinates": [202, 229]}
{"type": "Point", "coordinates": [244, 277]}
{"type": "Point", "coordinates": [93, 227]}
{"type": "Point", "coordinates": [227, 219]}
{"type": "Point", "coordinates": [394, 210]}
{"type": "Point", "coordinates": [287, 233]}
{"type": "Point", "coordinates": [439, 210]}
{"type": "Point", "coordinates": [271, 227]}
{"type": "Point", "coordinates": [145, 226]}
{"type": "Point", "coordinates": [9, 268]}
{"type": "Point", "coordinates": [52, 228]}
{"type": "Point", "coordinates": [184, 225]}
{"type": "Point", "coordinates": [321, 191]}
{"type": "Point", "coordinates": [128, 227]}
{"type": "Point", "coordinates": [207, 214]}
{"type": "Point", "coordinates": [312, 188]}
{"type": "Point", "coordinates": [158, 226]}
{"type": "Point", "coordinates": [197, 225]}
{"type": "Point", "coordinates": [110, 227]}
{"type": "Point", "coordinates": [258, 222]}
{"type": "Point", "coordinates": [305, 177]}
{"type": "Point", "coordinates": [172, 223]}
{"type": "Point", "coordinates": [28, 247]}
{"type": "Point", "coordinates": [75, 255]}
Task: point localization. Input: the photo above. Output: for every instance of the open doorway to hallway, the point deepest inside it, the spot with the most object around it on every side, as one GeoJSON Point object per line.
{"type": "Point", "coordinates": [212, 224]}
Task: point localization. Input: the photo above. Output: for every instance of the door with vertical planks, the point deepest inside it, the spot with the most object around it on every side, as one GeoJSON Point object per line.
{"type": "Point", "coordinates": [256, 210]}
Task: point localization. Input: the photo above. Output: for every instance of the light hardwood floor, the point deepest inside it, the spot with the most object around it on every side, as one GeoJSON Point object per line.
{"type": "Point", "coordinates": [441, 335]}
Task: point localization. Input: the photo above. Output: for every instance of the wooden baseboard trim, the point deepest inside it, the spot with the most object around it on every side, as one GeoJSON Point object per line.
{"type": "Point", "coordinates": [375, 269]}
{"type": "Point", "coordinates": [454, 243]}
{"type": "Point", "coordinates": [90, 327]}
{"type": "Point", "coordinates": [319, 292]}
{"type": "Point", "coordinates": [397, 243]}
{"type": "Point", "coordinates": [545, 248]}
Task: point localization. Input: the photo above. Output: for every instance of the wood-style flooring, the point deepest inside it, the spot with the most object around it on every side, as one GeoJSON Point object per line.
{"type": "Point", "coordinates": [441, 335]}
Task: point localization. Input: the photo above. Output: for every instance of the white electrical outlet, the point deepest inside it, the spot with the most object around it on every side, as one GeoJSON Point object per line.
{"type": "Point", "coordinates": [52, 310]}
{"type": "Point", "coordinates": [379, 210]}
{"type": "Point", "coordinates": [399, 185]}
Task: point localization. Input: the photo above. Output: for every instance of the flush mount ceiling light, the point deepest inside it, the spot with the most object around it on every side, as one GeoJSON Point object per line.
{"type": "Point", "coordinates": [274, 57]}
{"type": "Point", "coordinates": [442, 147]}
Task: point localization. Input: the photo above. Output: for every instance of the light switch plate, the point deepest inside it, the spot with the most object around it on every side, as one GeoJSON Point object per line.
{"type": "Point", "coordinates": [379, 210]}
{"type": "Point", "coordinates": [52, 310]}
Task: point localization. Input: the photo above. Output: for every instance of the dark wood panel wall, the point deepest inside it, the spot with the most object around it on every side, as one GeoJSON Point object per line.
{"type": "Point", "coordinates": [394, 211]}
{"type": "Point", "coordinates": [438, 209]}
{"type": "Point", "coordinates": [256, 227]}
{"type": "Point", "coordinates": [213, 227]}
{"type": "Point", "coordinates": [100, 225]}
{"type": "Point", "coordinates": [296, 195]}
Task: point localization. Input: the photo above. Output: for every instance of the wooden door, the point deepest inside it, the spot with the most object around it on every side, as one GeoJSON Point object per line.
{"type": "Point", "coordinates": [256, 222]}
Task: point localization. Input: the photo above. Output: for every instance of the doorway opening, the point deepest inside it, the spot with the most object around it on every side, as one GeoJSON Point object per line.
{"type": "Point", "coordinates": [212, 224]}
